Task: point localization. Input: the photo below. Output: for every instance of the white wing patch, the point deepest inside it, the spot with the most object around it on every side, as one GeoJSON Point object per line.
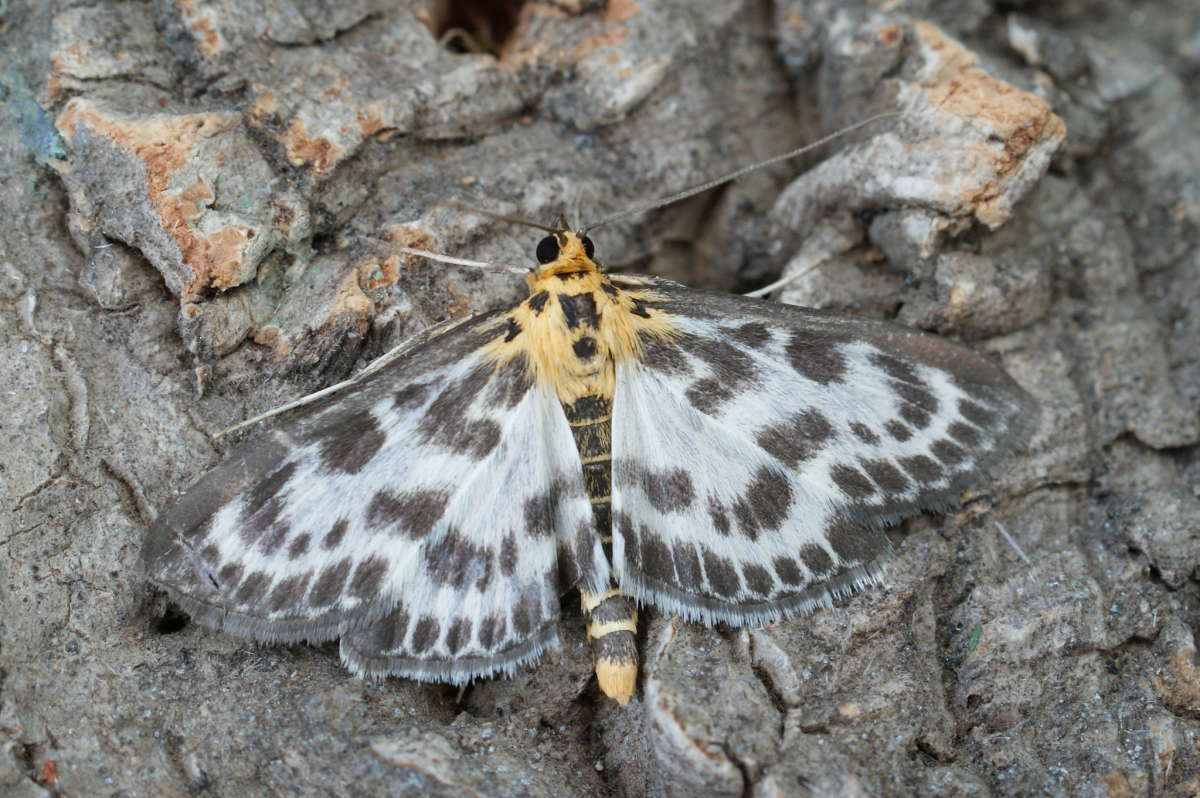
{"type": "Point", "coordinates": [423, 517]}
{"type": "Point", "coordinates": [755, 458]}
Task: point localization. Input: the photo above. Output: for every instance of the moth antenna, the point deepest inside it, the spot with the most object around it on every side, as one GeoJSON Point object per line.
{"type": "Point", "coordinates": [500, 217]}
{"type": "Point", "coordinates": [759, 293]}
{"type": "Point", "coordinates": [658, 203]}
{"type": "Point", "coordinates": [474, 264]}
{"type": "Point", "coordinates": [396, 351]}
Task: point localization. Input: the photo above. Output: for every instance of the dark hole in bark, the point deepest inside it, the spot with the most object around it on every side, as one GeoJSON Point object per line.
{"type": "Point", "coordinates": [172, 621]}
{"type": "Point", "coordinates": [474, 26]}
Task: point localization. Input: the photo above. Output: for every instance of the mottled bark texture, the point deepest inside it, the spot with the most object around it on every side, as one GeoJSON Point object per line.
{"type": "Point", "coordinates": [201, 207]}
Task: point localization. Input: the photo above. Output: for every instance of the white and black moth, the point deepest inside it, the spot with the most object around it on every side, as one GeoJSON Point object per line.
{"type": "Point", "coordinates": [726, 459]}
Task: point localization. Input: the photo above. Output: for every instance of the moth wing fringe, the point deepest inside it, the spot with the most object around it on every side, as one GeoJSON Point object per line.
{"type": "Point", "coordinates": [459, 671]}
{"type": "Point", "coordinates": [710, 612]}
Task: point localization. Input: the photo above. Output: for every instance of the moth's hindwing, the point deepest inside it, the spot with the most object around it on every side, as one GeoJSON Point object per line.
{"type": "Point", "coordinates": [421, 514]}
{"type": "Point", "coordinates": [757, 455]}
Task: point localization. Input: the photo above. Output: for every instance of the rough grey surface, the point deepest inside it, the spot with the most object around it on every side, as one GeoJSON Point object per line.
{"type": "Point", "coordinates": [200, 211]}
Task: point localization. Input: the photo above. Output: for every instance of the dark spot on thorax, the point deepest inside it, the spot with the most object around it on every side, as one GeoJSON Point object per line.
{"type": "Point", "coordinates": [579, 309]}
{"type": "Point", "coordinates": [537, 302]}
{"type": "Point", "coordinates": [584, 348]}
{"type": "Point", "coordinates": [512, 330]}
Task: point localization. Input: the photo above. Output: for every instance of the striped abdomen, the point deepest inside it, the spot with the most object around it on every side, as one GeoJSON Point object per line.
{"type": "Point", "coordinates": [611, 616]}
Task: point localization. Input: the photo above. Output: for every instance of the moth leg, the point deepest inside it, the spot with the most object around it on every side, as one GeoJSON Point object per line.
{"type": "Point", "coordinates": [612, 631]}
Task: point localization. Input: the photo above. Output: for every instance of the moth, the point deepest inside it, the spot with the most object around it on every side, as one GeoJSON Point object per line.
{"type": "Point", "coordinates": [725, 459]}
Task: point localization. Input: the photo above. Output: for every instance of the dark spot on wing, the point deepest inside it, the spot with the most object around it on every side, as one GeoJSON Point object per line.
{"type": "Point", "coordinates": [886, 475]}
{"type": "Point", "coordinates": [200, 530]}
{"type": "Point", "coordinates": [688, 576]}
{"type": "Point", "coordinates": [541, 509]}
{"type": "Point", "coordinates": [797, 438]}
{"type": "Point", "coordinates": [728, 364]}
{"type": "Point", "coordinates": [753, 334]}
{"type": "Point", "coordinates": [524, 614]}
{"type": "Point", "coordinates": [211, 555]}
{"type": "Point", "coordinates": [289, 593]}
{"type": "Point", "coordinates": [948, 452]}
{"type": "Point", "coordinates": [445, 424]}
{"type": "Point", "coordinates": [788, 572]}
{"type": "Point", "coordinates": [425, 635]}
{"type": "Point", "coordinates": [491, 631]}
{"type": "Point", "coordinates": [664, 357]}
{"type": "Point", "coordinates": [584, 348]}
{"type": "Point", "coordinates": [508, 554]}
{"type": "Point", "coordinates": [537, 302]}
{"type": "Point", "coordinates": [720, 519]}
{"type": "Point", "coordinates": [758, 579]}
{"type": "Point", "coordinates": [921, 468]}
{"type": "Point", "coordinates": [349, 443]}
{"type": "Point", "coordinates": [899, 432]}
{"type": "Point", "coordinates": [722, 575]}
{"type": "Point", "coordinates": [389, 634]}
{"type": "Point", "coordinates": [915, 395]}
{"type": "Point", "coordinates": [978, 377]}
{"type": "Point", "coordinates": [816, 559]}
{"type": "Point", "coordinates": [329, 584]}
{"type": "Point", "coordinates": [457, 562]}
{"type": "Point", "coordinates": [864, 433]}
{"type": "Point", "coordinates": [584, 551]}
{"type": "Point", "coordinates": [707, 395]}
{"type": "Point", "coordinates": [458, 635]}
{"type": "Point", "coordinates": [639, 309]}
{"type": "Point", "coordinates": [410, 397]}
{"type": "Point", "coordinates": [609, 288]}
{"type": "Point", "coordinates": [964, 434]}
{"type": "Point", "coordinates": [655, 556]}
{"type": "Point", "coordinates": [413, 513]}
{"type": "Point", "coordinates": [817, 357]}
{"type": "Point", "coordinates": [230, 575]}
{"type": "Point", "coordinates": [262, 505]}
{"type": "Point", "coordinates": [744, 514]}
{"type": "Point", "coordinates": [896, 368]}
{"type": "Point", "coordinates": [915, 416]}
{"type": "Point", "coordinates": [512, 330]}
{"type": "Point", "coordinates": [368, 578]}
{"type": "Point", "coordinates": [669, 491]}
{"type": "Point", "coordinates": [852, 482]}
{"type": "Point", "coordinates": [977, 414]}
{"type": "Point", "coordinates": [853, 544]}
{"type": "Point", "coordinates": [299, 546]}
{"type": "Point", "coordinates": [335, 534]}
{"type": "Point", "coordinates": [766, 503]}
{"type": "Point", "coordinates": [252, 589]}
{"type": "Point", "coordinates": [578, 309]}
{"type": "Point", "coordinates": [510, 383]}
{"type": "Point", "coordinates": [624, 528]}
{"type": "Point", "coordinates": [274, 538]}
{"type": "Point", "coordinates": [261, 522]}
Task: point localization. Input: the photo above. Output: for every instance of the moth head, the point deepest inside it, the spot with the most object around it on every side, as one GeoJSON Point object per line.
{"type": "Point", "coordinates": [564, 251]}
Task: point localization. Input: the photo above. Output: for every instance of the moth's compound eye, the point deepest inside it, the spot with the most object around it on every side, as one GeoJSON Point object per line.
{"type": "Point", "coordinates": [547, 249]}
{"type": "Point", "coordinates": [589, 248]}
